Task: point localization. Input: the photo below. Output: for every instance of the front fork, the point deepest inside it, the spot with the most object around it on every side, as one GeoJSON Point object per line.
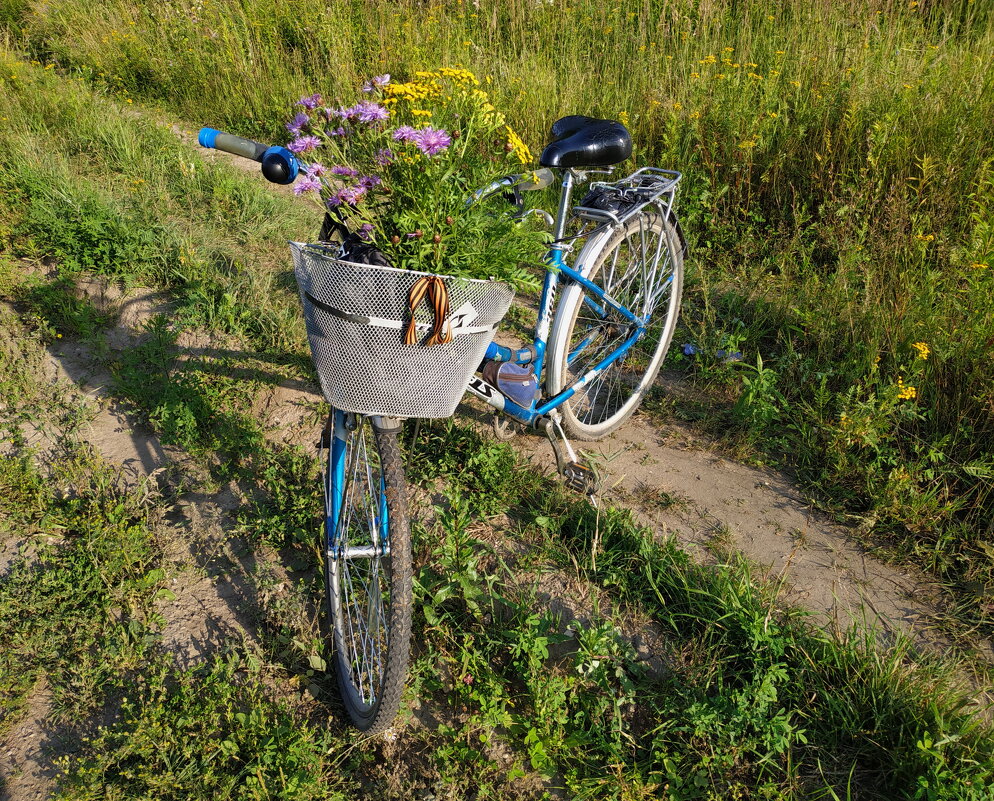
{"type": "Point", "coordinates": [342, 426]}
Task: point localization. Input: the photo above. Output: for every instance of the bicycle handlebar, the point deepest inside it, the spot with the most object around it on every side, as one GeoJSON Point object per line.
{"type": "Point", "coordinates": [279, 165]}
{"type": "Point", "coordinates": [526, 182]}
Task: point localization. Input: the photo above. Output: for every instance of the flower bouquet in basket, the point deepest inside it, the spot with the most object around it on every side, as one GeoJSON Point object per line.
{"type": "Point", "coordinates": [404, 293]}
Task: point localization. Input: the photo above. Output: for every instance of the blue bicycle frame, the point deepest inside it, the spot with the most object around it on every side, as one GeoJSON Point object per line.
{"type": "Point", "coordinates": [597, 298]}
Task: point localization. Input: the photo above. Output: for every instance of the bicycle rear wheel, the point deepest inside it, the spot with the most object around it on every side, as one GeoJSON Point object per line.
{"type": "Point", "coordinates": [641, 266]}
{"type": "Point", "coordinates": [367, 566]}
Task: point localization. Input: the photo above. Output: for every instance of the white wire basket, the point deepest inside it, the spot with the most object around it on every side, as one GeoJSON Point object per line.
{"type": "Point", "coordinates": [356, 316]}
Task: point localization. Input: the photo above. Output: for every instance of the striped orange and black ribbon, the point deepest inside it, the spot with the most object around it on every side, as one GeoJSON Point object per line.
{"type": "Point", "coordinates": [432, 287]}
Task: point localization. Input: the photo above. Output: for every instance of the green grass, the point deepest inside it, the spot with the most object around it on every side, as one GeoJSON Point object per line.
{"type": "Point", "coordinates": [77, 600]}
{"type": "Point", "coordinates": [836, 194]}
{"type": "Point", "coordinates": [101, 191]}
{"type": "Point", "coordinates": [79, 610]}
{"type": "Point", "coordinates": [216, 731]}
{"type": "Point", "coordinates": [811, 232]}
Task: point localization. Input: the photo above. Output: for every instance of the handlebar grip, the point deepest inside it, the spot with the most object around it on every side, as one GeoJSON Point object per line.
{"type": "Point", "coordinates": [229, 143]}
{"type": "Point", "coordinates": [279, 165]}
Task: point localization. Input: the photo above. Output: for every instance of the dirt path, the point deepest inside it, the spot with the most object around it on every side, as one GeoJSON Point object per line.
{"type": "Point", "coordinates": [678, 483]}
{"type": "Point", "coordinates": [209, 605]}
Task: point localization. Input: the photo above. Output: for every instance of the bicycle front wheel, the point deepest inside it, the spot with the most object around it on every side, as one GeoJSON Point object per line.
{"type": "Point", "coordinates": [367, 566]}
{"type": "Point", "coordinates": [641, 266]}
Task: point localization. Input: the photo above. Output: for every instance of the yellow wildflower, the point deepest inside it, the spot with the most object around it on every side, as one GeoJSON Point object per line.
{"type": "Point", "coordinates": [518, 147]}
{"type": "Point", "coordinates": [922, 348]}
{"type": "Point", "coordinates": [905, 392]}
{"type": "Point", "coordinates": [461, 76]}
{"type": "Point", "coordinates": [978, 265]}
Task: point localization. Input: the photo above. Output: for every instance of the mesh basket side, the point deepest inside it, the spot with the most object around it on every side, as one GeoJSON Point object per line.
{"type": "Point", "coordinates": [367, 369]}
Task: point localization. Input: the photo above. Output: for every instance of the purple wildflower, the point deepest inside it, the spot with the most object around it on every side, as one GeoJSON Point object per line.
{"type": "Point", "coordinates": [383, 157]}
{"type": "Point", "coordinates": [348, 195]}
{"type": "Point", "coordinates": [369, 181]}
{"type": "Point", "coordinates": [352, 195]}
{"type": "Point", "coordinates": [371, 112]}
{"type": "Point", "coordinates": [432, 140]}
{"type": "Point", "coordinates": [310, 102]}
{"type": "Point", "coordinates": [349, 113]}
{"type": "Point", "coordinates": [306, 184]}
{"type": "Point", "coordinates": [366, 232]}
{"type": "Point", "coordinates": [339, 131]}
{"type": "Point", "coordinates": [297, 124]}
{"type": "Point", "coordinates": [330, 113]}
{"type": "Point", "coordinates": [304, 144]}
{"type": "Point", "coordinates": [316, 170]}
{"type": "Point", "coordinates": [347, 172]}
{"type": "Point", "coordinates": [405, 133]}
{"type": "Point", "coordinates": [377, 82]}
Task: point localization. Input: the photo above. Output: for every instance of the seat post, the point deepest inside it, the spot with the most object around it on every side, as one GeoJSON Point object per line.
{"type": "Point", "coordinates": [564, 198]}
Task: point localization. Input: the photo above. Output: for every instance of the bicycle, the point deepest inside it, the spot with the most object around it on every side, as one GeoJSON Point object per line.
{"type": "Point", "coordinates": [596, 351]}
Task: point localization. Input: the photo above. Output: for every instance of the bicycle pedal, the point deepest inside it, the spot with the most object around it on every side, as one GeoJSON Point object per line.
{"type": "Point", "coordinates": [580, 478]}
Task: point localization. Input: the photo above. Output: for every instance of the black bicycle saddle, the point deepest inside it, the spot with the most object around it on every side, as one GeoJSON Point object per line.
{"type": "Point", "coordinates": [579, 141]}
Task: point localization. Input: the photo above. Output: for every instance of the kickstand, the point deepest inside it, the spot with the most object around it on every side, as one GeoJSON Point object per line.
{"type": "Point", "coordinates": [577, 476]}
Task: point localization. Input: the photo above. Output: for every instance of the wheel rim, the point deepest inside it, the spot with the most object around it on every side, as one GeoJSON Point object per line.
{"type": "Point", "coordinates": [627, 274]}
{"type": "Point", "coordinates": [358, 564]}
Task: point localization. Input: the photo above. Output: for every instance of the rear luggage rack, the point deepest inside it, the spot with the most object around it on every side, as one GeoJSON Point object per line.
{"type": "Point", "coordinates": [618, 201]}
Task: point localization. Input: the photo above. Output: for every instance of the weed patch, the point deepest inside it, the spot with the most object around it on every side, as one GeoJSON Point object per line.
{"type": "Point", "coordinates": [80, 610]}
{"type": "Point", "coordinates": [215, 732]}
